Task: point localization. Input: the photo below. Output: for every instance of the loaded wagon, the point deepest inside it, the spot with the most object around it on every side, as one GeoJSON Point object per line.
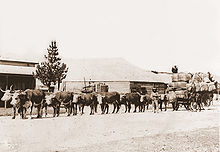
{"type": "Point", "coordinates": [204, 90]}
{"type": "Point", "coordinates": [190, 90]}
{"type": "Point", "coordinates": [178, 92]}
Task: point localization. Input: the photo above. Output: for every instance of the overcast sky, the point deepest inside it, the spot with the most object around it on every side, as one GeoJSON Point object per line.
{"type": "Point", "coordinates": [153, 34]}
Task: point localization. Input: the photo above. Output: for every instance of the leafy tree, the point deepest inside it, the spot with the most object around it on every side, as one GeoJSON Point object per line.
{"type": "Point", "coordinates": [51, 71]}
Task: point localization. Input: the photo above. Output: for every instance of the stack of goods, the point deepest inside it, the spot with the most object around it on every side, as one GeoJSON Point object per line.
{"type": "Point", "coordinates": [202, 82]}
{"type": "Point", "coordinates": [198, 77]}
{"type": "Point", "coordinates": [184, 82]}
{"type": "Point", "coordinates": [204, 86]}
{"type": "Point", "coordinates": [179, 84]}
{"type": "Point", "coordinates": [211, 86]}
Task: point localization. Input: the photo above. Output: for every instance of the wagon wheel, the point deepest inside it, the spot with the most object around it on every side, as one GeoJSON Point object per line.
{"type": "Point", "coordinates": [187, 105]}
{"type": "Point", "coordinates": [209, 101]}
{"type": "Point", "coordinates": [193, 105]}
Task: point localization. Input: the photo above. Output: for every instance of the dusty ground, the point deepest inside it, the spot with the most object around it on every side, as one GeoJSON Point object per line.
{"type": "Point", "coordinates": [166, 131]}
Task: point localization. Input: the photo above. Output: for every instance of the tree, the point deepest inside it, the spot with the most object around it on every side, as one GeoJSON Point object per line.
{"type": "Point", "coordinates": [175, 69]}
{"type": "Point", "coordinates": [51, 71]}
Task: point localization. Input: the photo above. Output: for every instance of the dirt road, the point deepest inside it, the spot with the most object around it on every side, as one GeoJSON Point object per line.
{"type": "Point", "coordinates": [166, 131]}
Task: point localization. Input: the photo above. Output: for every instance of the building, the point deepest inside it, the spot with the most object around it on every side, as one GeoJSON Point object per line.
{"type": "Point", "coordinates": [118, 74]}
{"type": "Point", "coordinates": [17, 73]}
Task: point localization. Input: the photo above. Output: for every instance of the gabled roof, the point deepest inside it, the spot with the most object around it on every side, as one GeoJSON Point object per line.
{"type": "Point", "coordinates": [108, 69]}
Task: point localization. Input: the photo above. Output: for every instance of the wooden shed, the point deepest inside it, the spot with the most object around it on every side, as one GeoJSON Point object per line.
{"type": "Point", "coordinates": [118, 74]}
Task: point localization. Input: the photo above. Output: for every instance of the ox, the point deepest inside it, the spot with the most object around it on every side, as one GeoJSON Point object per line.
{"type": "Point", "coordinates": [85, 99]}
{"type": "Point", "coordinates": [145, 100]}
{"type": "Point", "coordinates": [131, 98]}
{"type": "Point", "coordinates": [37, 98]}
{"type": "Point", "coordinates": [6, 96]}
{"type": "Point", "coordinates": [57, 99]}
{"type": "Point", "coordinates": [18, 100]}
{"type": "Point", "coordinates": [106, 98]}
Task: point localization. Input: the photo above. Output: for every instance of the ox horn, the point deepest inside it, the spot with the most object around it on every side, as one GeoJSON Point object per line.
{"type": "Point", "coordinates": [2, 90]}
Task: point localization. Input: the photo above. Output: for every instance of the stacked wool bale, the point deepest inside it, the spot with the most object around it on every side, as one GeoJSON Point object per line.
{"type": "Point", "coordinates": [179, 84]}
{"type": "Point", "coordinates": [202, 82]}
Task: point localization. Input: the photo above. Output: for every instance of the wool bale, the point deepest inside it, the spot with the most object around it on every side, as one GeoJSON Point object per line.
{"type": "Point", "coordinates": [211, 86]}
{"type": "Point", "coordinates": [178, 89]}
{"type": "Point", "coordinates": [171, 88]}
{"type": "Point", "coordinates": [206, 79]}
{"type": "Point", "coordinates": [184, 77]}
{"type": "Point", "coordinates": [175, 77]}
{"type": "Point", "coordinates": [197, 86]}
{"type": "Point", "coordinates": [200, 77]}
{"type": "Point", "coordinates": [204, 86]}
{"type": "Point", "coordinates": [188, 86]}
{"type": "Point", "coordinates": [181, 77]}
{"type": "Point", "coordinates": [197, 78]}
{"type": "Point", "coordinates": [178, 85]}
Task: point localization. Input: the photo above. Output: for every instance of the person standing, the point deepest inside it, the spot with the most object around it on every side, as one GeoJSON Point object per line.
{"type": "Point", "coordinates": [155, 98]}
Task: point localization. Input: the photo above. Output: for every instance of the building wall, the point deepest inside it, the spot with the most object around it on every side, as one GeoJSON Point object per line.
{"type": "Point", "coordinates": [119, 86]}
{"type": "Point", "coordinates": [136, 86]}
{"type": "Point", "coordinates": [76, 86]}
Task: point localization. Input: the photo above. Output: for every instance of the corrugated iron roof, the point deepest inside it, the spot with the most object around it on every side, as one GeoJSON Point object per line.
{"type": "Point", "coordinates": [7, 69]}
{"type": "Point", "coordinates": [17, 60]}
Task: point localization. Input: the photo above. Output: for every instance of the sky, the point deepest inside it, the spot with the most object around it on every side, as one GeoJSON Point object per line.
{"type": "Point", "coordinates": [152, 34]}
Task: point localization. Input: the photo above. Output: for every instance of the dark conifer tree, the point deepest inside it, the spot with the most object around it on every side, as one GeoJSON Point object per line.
{"type": "Point", "coordinates": [51, 71]}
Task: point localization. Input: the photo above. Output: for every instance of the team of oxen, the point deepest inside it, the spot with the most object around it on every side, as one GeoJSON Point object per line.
{"type": "Point", "coordinates": [23, 100]}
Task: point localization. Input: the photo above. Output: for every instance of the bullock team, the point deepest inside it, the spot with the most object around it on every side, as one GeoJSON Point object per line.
{"type": "Point", "coordinates": [23, 100]}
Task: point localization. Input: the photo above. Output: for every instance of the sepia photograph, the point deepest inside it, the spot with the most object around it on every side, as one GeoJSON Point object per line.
{"type": "Point", "coordinates": [109, 76]}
